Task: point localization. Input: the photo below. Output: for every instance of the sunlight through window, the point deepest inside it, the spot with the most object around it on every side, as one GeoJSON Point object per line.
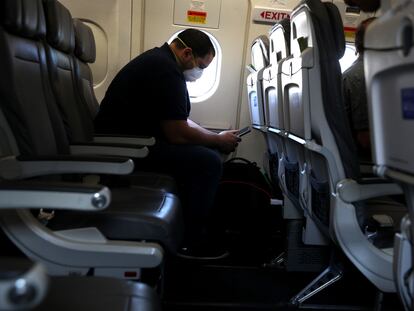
{"type": "Point", "coordinates": [348, 58]}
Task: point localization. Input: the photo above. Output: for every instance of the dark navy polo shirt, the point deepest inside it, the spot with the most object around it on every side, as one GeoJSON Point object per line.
{"type": "Point", "coordinates": [149, 89]}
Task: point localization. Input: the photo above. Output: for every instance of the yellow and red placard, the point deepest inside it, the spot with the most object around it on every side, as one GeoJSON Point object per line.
{"type": "Point", "coordinates": [197, 17]}
{"type": "Point", "coordinates": [349, 33]}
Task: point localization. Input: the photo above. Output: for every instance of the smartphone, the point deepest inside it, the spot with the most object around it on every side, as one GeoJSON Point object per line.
{"type": "Point", "coordinates": [244, 131]}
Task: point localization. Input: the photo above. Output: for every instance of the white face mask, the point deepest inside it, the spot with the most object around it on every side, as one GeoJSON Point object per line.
{"type": "Point", "coordinates": [192, 75]}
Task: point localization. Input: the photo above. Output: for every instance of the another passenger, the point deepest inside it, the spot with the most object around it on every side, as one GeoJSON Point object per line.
{"type": "Point", "coordinates": [149, 97]}
{"type": "Point", "coordinates": [355, 97]}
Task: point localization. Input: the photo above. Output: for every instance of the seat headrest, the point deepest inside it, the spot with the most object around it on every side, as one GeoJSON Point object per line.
{"type": "Point", "coordinates": [59, 25]}
{"type": "Point", "coordinates": [23, 17]}
{"type": "Point", "coordinates": [337, 28]}
{"type": "Point", "coordinates": [285, 23]}
{"type": "Point", "coordinates": [85, 48]}
{"type": "Point", "coordinates": [263, 42]}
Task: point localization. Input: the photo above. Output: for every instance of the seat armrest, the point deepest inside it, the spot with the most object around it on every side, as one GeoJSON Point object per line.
{"type": "Point", "coordinates": [119, 150]}
{"type": "Point", "coordinates": [34, 194]}
{"type": "Point", "coordinates": [123, 139]}
{"type": "Point", "coordinates": [366, 168]}
{"type": "Point", "coordinates": [350, 191]}
{"type": "Point", "coordinates": [22, 167]}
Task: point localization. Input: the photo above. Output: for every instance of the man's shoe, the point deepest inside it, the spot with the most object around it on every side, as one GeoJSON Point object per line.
{"type": "Point", "coordinates": [202, 252]}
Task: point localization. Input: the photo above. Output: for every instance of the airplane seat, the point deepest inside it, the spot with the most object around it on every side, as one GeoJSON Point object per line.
{"type": "Point", "coordinates": [311, 82]}
{"type": "Point", "coordinates": [336, 190]}
{"type": "Point", "coordinates": [279, 49]}
{"type": "Point", "coordinates": [294, 93]}
{"type": "Point", "coordinates": [279, 37]}
{"type": "Point", "coordinates": [26, 286]}
{"type": "Point", "coordinates": [99, 294]}
{"type": "Point", "coordinates": [299, 244]}
{"type": "Point", "coordinates": [141, 214]}
{"type": "Point", "coordinates": [76, 102]}
{"type": "Point", "coordinates": [260, 59]}
{"type": "Point", "coordinates": [60, 39]}
{"type": "Point", "coordinates": [162, 217]}
{"type": "Point", "coordinates": [306, 86]}
{"type": "Point", "coordinates": [85, 54]}
{"type": "Point", "coordinates": [20, 46]}
{"type": "Point", "coordinates": [162, 220]}
{"type": "Point", "coordinates": [389, 67]}
{"type": "Point", "coordinates": [60, 46]}
{"type": "Point", "coordinates": [329, 70]}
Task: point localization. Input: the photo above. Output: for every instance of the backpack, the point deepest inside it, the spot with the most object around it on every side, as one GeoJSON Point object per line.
{"type": "Point", "coordinates": [242, 206]}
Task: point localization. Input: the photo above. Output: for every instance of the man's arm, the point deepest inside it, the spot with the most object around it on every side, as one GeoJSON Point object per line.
{"type": "Point", "coordinates": [189, 132]}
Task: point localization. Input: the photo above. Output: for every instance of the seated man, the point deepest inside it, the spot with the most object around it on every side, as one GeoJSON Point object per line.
{"type": "Point", "coordinates": [355, 97]}
{"type": "Point", "coordinates": [149, 97]}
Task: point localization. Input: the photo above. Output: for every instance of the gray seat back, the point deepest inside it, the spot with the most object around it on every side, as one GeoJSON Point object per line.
{"type": "Point", "coordinates": [60, 49]}
{"type": "Point", "coordinates": [332, 157]}
{"type": "Point", "coordinates": [85, 54]}
{"type": "Point", "coordinates": [24, 80]}
{"type": "Point", "coordinates": [294, 90]}
{"type": "Point", "coordinates": [279, 50]}
{"type": "Point", "coordinates": [35, 120]}
{"type": "Point", "coordinates": [389, 71]}
{"type": "Point", "coordinates": [389, 55]}
{"type": "Point", "coordinates": [260, 59]}
{"type": "Point", "coordinates": [312, 85]}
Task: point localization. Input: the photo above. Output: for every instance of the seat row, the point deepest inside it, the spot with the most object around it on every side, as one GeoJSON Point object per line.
{"type": "Point", "coordinates": [296, 101]}
{"type": "Point", "coordinates": [51, 162]}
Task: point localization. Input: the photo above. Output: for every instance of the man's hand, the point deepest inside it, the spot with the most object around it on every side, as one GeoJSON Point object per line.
{"type": "Point", "coordinates": [188, 132]}
{"type": "Point", "coordinates": [228, 141]}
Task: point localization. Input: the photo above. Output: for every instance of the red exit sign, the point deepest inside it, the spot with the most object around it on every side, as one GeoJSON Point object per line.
{"type": "Point", "coordinates": [269, 15]}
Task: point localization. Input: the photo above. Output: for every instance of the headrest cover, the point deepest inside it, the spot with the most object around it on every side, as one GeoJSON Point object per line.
{"type": "Point", "coordinates": [263, 41]}
{"type": "Point", "coordinates": [285, 23]}
{"type": "Point", "coordinates": [60, 30]}
{"type": "Point", "coordinates": [85, 48]}
{"type": "Point", "coordinates": [337, 28]}
{"type": "Point", "coordinates": [23, 17]}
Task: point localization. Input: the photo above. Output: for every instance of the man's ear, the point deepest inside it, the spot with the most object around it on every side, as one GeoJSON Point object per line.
{"type": "Point", "coordinates": [188, 52]}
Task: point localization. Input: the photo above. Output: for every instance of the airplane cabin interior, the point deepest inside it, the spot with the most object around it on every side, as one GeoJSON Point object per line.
{"type": "Point", "coordinates": [306, 222]}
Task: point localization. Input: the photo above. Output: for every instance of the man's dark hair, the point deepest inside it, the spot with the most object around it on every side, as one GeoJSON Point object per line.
{"type": "Point", "coordinates": [197, 40]}
{"type": "Point", "coordinates": [365, 5]}
{"type": "Point", "coordinates": [360, 34]}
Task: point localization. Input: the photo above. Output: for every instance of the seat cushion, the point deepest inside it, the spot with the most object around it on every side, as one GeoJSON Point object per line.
{"type": "Point", "coordinates": [98, 294]}
{"type": "Point", "coordinates": [135, 214]}
{"type": "Point", "coordinates": [142, 179]}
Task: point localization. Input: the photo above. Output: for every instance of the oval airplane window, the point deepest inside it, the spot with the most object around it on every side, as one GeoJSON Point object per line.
{"type": "Point", "coordinates": [205, 87]}
{"type": "Point", "coordinates": [100, 66]}
{"type": "Point", "coordinates": [348, 58]}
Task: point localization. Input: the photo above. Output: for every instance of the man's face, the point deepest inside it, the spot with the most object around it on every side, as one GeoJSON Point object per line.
{"type": "Point", "coordinates": [190, 61]}
{"type": "Point", "coordinates": [203, 62]}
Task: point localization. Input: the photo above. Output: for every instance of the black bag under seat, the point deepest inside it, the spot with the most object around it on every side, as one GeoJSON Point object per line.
{"type": "Point", "coordinates": [242, 206]}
